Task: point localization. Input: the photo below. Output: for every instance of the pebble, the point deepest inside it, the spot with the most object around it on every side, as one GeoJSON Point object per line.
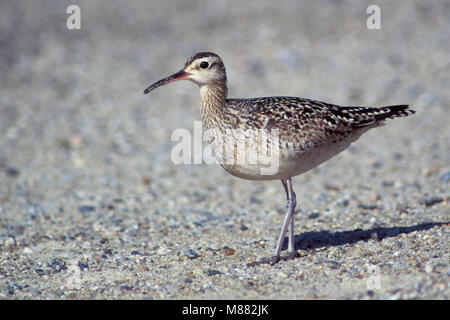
{"type": "Point", "coordinates": [34, 211]}
{"type": "Point", "coordinates": [398, 243]}
{"type": "Point", "coordinates": [228, 252]}
{"type": "Point", "coordinates": [211, 272]}
{"type": "Point", "coordinates": [162, 251]}
{"type": "Point", "coordinates": [127, 288]}
{"type": "Point", "coordinates": [342, 203]}
{"type": "Point", "coordinates": [397, 156]}
{"type": "Point", "coordinates": [387, 183]}
{"type": "Point", "coordinates": [12, 172]}
{"type": "Point", "coordinates": [243, 227]}
{"type": "Point", "coordinates": [86, 209]}
{"type": "Point", "coordinates": [11, 289]}
{"type": "Point", "coordinates": [9, 242]}
{"type": "Point", "coordinates": [431, 200]}
{"type": "Point", "coordinates": [57, 265]}
{"type": "Point", "coordinates": [27, 250]}
{"type": "Point", "coordinates": [445, 177]}
{"type": "Point", "coordinates": [83, 266]}
{"type": "Point", "coordinates": [377, 164]}
{"type": "Point", "coordinates": [428, 268]}
{"type": "Point", "coordinates": [191, 254]}
{"type": "Point", "coordinates": [367, 206]}
{"type": "Point", "coordinates": [331, 264]}
{"type": "Point", "coordinates": [374, 235]}
{"type": "Point", "coordinates": [313, 215]}
{"type": "Point", "coordinates": [40, 271]}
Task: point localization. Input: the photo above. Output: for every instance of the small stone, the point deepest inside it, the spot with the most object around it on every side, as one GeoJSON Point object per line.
{"type": "Point", "coordinates": [212, 272]}
{"type": "Point", "coordinates": [86, 209]}
{"type": "Point", "coordinates": [431, 200]}
{"type": "Point", "coordinates": [377, 164]}
{"type": "Point", "coordinates": [445, 177]}
{"type": "Point", "coordinates": [146, 180]}
{"type": "Point", "coordinates": [313, 215]}
{"type": "Point", "coordinates": [12, 172]}
{"type": "Point", "coordinates": [27, 250]}
{"type": "Point", "coordinates": [191, 254]}
{"type": "Point", "coordinates": [135, 252]}
{"type": "Point", "coordinates": [228, 252]}
{"type": "Point", "coordinates": [243, 227]}
{"type": "Point", "coordinates": [398, 243]}
{"type": "Point", "coordinates": [399, 185]}
{"type": "Point", "coordinates": [387, 183]}
{"type": "Point", "coordinates": [83, 266]}
{"type": "Point", "coordinates": [162, 251]}
{"type": "Point", "coordinates": [398, 156]}
{"type": "Point", "coordinates": [401, 208]}
{"type": "Point", "coordinates": [40, 272]}
{"type": "Point", "coordinates": [374, 236]}
{"type": "Point", "coordinates": [428, 268]}
{"type": "Point", "coordinates": [10, 289]}
{"type": "Point", "coordinates": [396, 295]}
{"type": "Point", "coordinates": [331, 264]}
{"type": "Point", "coordinates": [10, 242]}
{"type": "Point", "coordinates": [367, 206]}
{"type": "Point", "coordinates": [57, 265]}
{"type": "Point", "coordinates": [342, 203]}
{"type": "Point", "coordinates": [127, 288]}
{"type": "Point", "coordinates": [34, 211]}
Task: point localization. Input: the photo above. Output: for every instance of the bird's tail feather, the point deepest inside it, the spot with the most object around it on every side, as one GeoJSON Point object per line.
{"type": "Point", "coordinates": [364, 116]}
{"type": "Point", "coordinates": [401, 110]}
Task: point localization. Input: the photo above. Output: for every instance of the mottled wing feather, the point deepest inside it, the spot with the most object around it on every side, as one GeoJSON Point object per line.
{"type": "Point", "coordinates": [309, 123]}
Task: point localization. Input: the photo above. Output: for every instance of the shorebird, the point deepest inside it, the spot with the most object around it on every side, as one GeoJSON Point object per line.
{"type": "Point", "coordinates": [308, 132]}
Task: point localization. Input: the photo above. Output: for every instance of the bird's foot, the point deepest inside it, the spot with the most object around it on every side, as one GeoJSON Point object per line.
{"type": "Point", "coordinates": [293, 254]}
{"type": "Point", "coordinates": [275, 260]}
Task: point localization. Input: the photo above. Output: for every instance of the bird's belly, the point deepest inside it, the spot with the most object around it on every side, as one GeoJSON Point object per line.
{"type": "Point", "coordinates": [288, 163]}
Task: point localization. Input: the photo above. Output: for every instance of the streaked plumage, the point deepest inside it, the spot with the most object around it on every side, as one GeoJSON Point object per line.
{"type": "Point", "coordinates": [309, 132]}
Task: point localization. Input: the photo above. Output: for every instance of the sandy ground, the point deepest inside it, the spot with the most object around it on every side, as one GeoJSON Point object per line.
{"type": "Point", "coordinates": [92, 207]}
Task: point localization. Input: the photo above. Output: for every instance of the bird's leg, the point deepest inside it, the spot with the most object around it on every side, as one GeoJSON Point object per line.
{"type": "Point", "coordinates": [291, 247]}
{"type": "Point", "coordinates": [290, 191]}
{"type": "Point", "coordinates": [288, 220]}
{"type": "Point", "coordinates": [290, 194]}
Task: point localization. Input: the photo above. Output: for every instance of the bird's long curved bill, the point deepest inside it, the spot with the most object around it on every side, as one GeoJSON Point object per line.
{"type": "Point", "coordinates": [180, 75]}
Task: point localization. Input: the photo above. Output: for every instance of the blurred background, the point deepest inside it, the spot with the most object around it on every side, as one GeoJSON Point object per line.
{"type": "Point", "coordinates": [77, 134]}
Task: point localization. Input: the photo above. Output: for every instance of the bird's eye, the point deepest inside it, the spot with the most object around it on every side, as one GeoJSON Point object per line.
{"type": "Point", "coordinates": [204, 65]}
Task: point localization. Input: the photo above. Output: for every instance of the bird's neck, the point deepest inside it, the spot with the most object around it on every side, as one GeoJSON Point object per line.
{"type": "Point", "coordinates": [213, 101]}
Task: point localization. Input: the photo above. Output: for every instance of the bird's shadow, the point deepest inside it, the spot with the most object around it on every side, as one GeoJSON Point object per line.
{"type": "Point", "coordinates": [319, 239]}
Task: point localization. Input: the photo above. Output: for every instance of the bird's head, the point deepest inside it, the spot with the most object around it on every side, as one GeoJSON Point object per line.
{"type": "Point", "coordinates": [203, 68]}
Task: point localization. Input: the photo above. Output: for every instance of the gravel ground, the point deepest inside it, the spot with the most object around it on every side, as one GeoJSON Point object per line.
{"type": "Point", "coordinates": [91, 206]}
